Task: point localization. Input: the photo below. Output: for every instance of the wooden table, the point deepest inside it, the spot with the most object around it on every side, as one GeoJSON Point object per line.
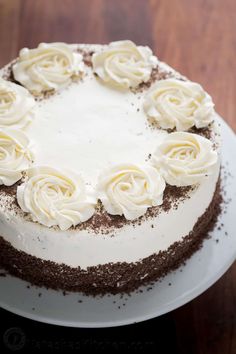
{"type": "Point", "coordinates": [196, 37]}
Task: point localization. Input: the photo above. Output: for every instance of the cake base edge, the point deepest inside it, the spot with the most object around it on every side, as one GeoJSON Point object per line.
{"type": "Point", "coordinates": [113, 278]}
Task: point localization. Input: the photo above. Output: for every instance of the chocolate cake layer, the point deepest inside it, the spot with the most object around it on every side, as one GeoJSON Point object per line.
{"type": "Point", "coordinates": [113, 277]}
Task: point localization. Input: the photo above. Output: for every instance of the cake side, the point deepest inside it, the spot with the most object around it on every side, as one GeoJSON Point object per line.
{"type": "Point", "coordinates": [112, 277]}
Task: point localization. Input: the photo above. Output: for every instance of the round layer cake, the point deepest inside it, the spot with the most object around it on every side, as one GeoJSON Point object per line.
{"type": "Point", "coordinates": [109, 167]}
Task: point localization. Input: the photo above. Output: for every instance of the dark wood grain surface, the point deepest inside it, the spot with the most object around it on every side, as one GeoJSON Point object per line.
{"type": "Point", "coordinates": [198, 38]}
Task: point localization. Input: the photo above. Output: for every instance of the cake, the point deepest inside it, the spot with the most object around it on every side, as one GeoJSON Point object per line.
{"type": "Point", "coordinates": [109, 169]}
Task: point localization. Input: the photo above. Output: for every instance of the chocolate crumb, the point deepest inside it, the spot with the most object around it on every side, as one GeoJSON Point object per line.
{"type": "Point", "coordinates": [87, 56]}
{"type": "Point", "coordinates": [205, 132]}
{"type": "Point", "coordinates": [156, 74]}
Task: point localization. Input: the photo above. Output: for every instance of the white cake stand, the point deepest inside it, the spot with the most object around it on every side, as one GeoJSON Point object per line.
{"type": "Point", "coordinates": [203, 269]}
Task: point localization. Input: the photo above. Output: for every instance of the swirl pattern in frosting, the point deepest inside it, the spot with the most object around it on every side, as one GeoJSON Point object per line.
{"type": "Point", "coordinates": [179, 104]}
{"type": "Point", "coordinates": [185, 159]}
{"type": "Point", "coordinates": [48, 67]}
{"type": "Point", "coordinates": [16, 105]}
{"type": "Point", "coordinates": [124, 64]}
{"type": "Point", "coordinates": [15, 155]}
{"type": "Point", "coordinates": [129, 190]}
{"type": "Point", "coordinates": [55, 198]}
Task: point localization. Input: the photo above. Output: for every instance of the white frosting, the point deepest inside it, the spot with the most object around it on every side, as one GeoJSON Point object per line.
{"type": "Point", "coordinates": [179, 104]}
{"type": "Point", "coordinates": [16, 105]}
{"type": "Point", "coordinates": [48, 67]}
{"type": "Point", "coordinates": [129, 189]}
{"type": "Point", "coordinates": [124, 64]}
{"type": "Point", "coordinates": [185, 159]}
{"type": "Point", "coordinates": [55, 198]}
{"type": "Point", "coordinates": [15, 155]}
{"type": "Point", "coordinates": [89, 134]}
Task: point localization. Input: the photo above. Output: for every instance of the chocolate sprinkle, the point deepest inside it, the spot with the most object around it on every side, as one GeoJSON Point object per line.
{"type": "Point", "coordinates": [156, 74]}
{"type": "Point", "coordinates": [87, 56]}
{"type": "Point", "coordinates": [120, 277]}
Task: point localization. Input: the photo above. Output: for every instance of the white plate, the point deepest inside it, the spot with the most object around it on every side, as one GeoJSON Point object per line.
{"type": "Point", "coordinates": [176, 289]}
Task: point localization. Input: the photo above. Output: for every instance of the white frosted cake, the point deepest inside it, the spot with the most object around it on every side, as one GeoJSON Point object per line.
{"type": "Point", "coordinates": [109, 167]}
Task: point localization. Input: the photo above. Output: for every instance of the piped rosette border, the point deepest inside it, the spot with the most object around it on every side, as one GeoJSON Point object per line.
{"type": "Point", "coordinates": [49, 67]}
{"type": "Point", "coordinates": [57, 197]}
